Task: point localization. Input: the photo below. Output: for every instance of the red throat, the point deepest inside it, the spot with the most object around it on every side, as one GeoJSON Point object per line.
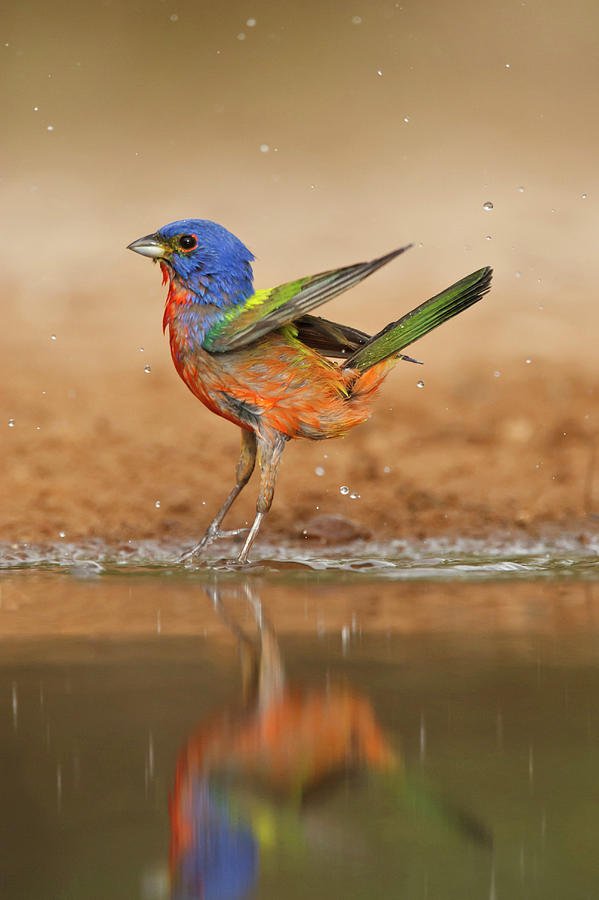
{"type": "Point", "coordinates": [176, 296]}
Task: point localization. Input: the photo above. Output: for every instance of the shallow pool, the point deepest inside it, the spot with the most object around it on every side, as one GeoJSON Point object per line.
{"type": "Point", "coordinates": [419, 723]}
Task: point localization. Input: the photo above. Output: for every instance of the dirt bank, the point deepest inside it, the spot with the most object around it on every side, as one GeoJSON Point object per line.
{"type": "Point", "coordinates": [134, 455]}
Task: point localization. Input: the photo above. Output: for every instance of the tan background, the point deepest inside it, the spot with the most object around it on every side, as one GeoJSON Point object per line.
{"type": "Point", "coordinates": [155, 118]}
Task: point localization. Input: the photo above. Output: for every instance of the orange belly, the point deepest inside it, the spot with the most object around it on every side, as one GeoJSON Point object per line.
{"type": "Point", "coordinates": [281, 384]}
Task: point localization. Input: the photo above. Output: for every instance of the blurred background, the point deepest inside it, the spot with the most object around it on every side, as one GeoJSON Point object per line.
{"type": "Point", "coordinates": [321, 134]}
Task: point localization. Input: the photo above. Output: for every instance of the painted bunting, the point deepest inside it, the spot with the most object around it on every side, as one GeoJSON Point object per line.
{"type": "Point", "coordinates": [259, 359]}
{"type": "Point", "coordinates": [252, 780]}
{"type": "Point", "coordinates": [245, 775]}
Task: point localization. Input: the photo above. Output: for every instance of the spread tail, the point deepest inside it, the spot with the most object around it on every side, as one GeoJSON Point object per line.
{"type": "Point", "coordinates": [415, 324]}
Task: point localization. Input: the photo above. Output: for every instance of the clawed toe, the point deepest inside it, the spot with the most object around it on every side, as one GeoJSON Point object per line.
{"type": "Point", "coordinates": [209, 537]}
{"type": "Point", "coordinates": [189, 554]}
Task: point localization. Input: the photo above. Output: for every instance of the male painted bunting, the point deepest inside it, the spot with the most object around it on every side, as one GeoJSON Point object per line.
{"type": "Point", "coordinates": [259, 359]}
{"type": "Point", "coordinates": [252, 779]}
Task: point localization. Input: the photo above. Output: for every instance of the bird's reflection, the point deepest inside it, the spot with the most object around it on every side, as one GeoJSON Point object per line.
{"type": "Point", "coordinates": [246, 777]}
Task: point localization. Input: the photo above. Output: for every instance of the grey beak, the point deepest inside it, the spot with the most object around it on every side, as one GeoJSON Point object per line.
{"type": "Point", "coordinates": [151, 246]}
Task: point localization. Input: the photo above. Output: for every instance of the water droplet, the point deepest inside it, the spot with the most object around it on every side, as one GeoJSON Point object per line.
{"type": "Point", "coordinates": [507, 65]}
{"type": "Point", "coordinates": [62, 534]}
{"type": "Point", "coordinates": [496, 374]}
{"type": "Point", "coordinates": [583, 196]}
{"type": "Point", "coordinates": [36, 108]}
{"type": "Point", "coordinates": [354, 496]}
{"type": "Point", "coordinates": [517, 275]}
{"type": "Point", "coordinates": [344, 489]}
{"type": "Point", "coordinates": [521, 189]}
{"type": "Point", "coordinates": [147, 370]}
{"type": "Point", "coordinates": [356, 20]}
{"type": "Point", "coordinates": [141, 349]}
{"type": "Point", "coordinates": [174, 17]}
{"type": "Point", "coordinates": [11, 423]}
{"type": "Point", "coordinates": [264, 148]}
{"type": "Point", "coordinates": [157, 504]}
{"type": "Point", "coordinates": [488, 205]}
{"type": "Point", "coordinates": [541, 308]}
{"type": "Point", "coordinates": [420, 384]}
{"type": "Point", "coordinates": [241, 36]}
{"type": "Point", "coordinates": [488, 237]}
{"type": "Point", "coordinates": [312, 187]}
{"type": "Point", "coordinates": [52, 337]}
{"type": "Point", "coordinates": [251, 23]}
{"type": "Point", "coordinates": [387, 469]}
{"type": "Point", "coordinates": [50, 128]}
{"type": "Point", "coordinates": [319, 470]}
{"type": "Point", "coordinates": [406, 119]}
{"type": "Point", "coordinates": [379, 72]}
{"type": "Point", "coordinates": [420, 245]}
{"type": "Point", "coordinates": [528, 361]}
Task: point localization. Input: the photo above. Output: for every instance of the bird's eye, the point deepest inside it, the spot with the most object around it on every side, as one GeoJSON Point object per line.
{"type": "Point", "coordinates": [188, 242]}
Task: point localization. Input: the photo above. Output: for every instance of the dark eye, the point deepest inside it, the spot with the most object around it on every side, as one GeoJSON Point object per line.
{"type": "Point", "coordinates": [188, 242]}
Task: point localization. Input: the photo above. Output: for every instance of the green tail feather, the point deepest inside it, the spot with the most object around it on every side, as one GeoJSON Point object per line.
{"type": "Point", "coordinates": [420, 321]}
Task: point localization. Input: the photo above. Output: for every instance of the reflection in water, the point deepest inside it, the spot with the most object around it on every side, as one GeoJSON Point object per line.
{"type": "Point", "coordinates": [491, 688]}
{"type": "Point", "coordinates": [245, 777]}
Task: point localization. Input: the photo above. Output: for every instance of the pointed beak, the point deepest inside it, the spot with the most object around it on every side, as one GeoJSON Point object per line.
{"type": "Point", "coordinates": [152, 246]}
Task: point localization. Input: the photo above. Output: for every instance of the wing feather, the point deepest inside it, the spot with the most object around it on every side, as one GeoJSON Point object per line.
{"type": "Point", "coordinates": [419, 321]}
{"type": "Point", "coordinates": [267, 310]}
{"type": "Point", "coordinates": [329, 338]}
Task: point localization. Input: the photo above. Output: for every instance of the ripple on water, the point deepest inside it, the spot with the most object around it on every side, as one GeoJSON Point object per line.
{"type": "Point", "coordinates": [441, 558]}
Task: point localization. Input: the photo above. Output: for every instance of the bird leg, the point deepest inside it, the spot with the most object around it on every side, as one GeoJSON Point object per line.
{"type": "Point", "coordinates": [243, 473]}
{"type": "Point", "coordinates": [249, 650]}
{"type": "Point", "coordinates": [271, 674]}
{"type": "Point", "coordinates": [269, 455]}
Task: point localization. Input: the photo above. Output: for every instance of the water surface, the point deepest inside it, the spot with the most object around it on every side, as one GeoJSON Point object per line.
{"type": "Point", "coordinates": [320, 737]}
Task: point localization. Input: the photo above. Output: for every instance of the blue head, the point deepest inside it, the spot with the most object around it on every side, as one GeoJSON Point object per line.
{"type": "Point", "coordinates": [221, 862]}
{"type": "Point", "coordinates": [208, 261]}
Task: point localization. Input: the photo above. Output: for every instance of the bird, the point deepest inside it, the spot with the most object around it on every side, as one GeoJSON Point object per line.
{"type": "Point", "coordinates": [260, 359]}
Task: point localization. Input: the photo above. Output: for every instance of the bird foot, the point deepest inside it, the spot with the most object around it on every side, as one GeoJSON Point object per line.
{"type": "Point", "coordinates": [213, 534]}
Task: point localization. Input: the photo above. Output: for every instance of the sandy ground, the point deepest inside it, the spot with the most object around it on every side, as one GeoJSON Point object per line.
{"type": "Point", "coordinates": [134, 455]}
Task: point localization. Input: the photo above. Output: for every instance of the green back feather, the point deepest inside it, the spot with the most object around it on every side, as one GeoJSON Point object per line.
{"type": "Point", "coordinates": [239, 319]}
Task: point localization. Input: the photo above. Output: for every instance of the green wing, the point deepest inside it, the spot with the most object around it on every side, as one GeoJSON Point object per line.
{"type": "Point", "coordinates": [269, 309]}
{"type": "Point", "coordinates": [420, 321]}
